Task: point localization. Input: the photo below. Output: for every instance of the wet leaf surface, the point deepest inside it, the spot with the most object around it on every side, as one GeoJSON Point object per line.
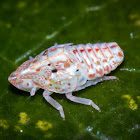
{"type": "Point", "coordinates": [29, 27]}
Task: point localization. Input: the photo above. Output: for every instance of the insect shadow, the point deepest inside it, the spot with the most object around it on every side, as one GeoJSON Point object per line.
{"type": "Point", "coordinates": [18, 91]}
{"type": "Point", "coordinates": [117, 70]}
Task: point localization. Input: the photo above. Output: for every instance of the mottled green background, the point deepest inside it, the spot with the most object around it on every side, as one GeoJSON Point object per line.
{"type": "Point", "coordinates": [28, 27]}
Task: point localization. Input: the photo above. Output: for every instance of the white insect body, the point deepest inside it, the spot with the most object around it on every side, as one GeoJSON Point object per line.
{"type": "Point", "coordinates": [67, 68]}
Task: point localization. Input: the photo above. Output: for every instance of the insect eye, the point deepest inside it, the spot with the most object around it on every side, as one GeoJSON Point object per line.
{"type": "Point", "coordinates": [27, 85]}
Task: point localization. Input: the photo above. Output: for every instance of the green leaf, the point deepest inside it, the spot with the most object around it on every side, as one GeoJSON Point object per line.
{"type": "Point", "coordinates": [29, 27]}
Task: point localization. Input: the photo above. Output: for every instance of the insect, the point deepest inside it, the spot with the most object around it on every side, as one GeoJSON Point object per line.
{"type": "Point", "coordinates": [66, 68]}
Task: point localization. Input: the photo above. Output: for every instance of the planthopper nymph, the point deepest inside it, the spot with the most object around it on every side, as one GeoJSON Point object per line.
{"type": "Point", "coordinates": [67, 68]}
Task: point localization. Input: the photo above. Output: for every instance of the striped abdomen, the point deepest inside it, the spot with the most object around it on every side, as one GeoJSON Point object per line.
{"type": "Point", "coordinates": [99, 59]}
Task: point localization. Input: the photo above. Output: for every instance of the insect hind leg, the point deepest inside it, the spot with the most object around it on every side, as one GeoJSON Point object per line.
{"type": "Point", "coordinates": [82, 101]}
{"type": "Point", "coordinates": [55, 104]}
{"type": "Point", "coordinates": [94, 82]}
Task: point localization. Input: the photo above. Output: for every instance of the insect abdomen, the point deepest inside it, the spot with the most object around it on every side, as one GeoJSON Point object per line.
{"type": "Point", "coordinates": [99, 59]}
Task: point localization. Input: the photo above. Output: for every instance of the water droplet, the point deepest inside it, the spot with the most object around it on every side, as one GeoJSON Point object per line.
{"type": "Point", "coordinates": [131, 35]}
{"type": "Point", "coordinates": [89, 128]}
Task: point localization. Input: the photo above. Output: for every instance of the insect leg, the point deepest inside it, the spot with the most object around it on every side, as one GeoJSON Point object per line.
{"type": "Point", "coordinates": [82, 101]}
{"type": "Point", "coordinates": [48, 98]}
{"type": "Point", "coordinates": [30, 57]}
{"type": "Point", "coordinates": [32, 92]}
{"type": "Point", "coordinates": [55, 44]}
{"type": "Point", "coordinates": [94, 82]}
{"type": "Point", "coordinates": [109, 78]}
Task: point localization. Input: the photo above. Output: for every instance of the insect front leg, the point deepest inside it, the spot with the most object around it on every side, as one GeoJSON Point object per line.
{"type": "Point", "coordinates": [55, 104]}
{"type": "Point", "coordinates": [82, 101]}
{"type": "Point", "coordinates": [32, 92]}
